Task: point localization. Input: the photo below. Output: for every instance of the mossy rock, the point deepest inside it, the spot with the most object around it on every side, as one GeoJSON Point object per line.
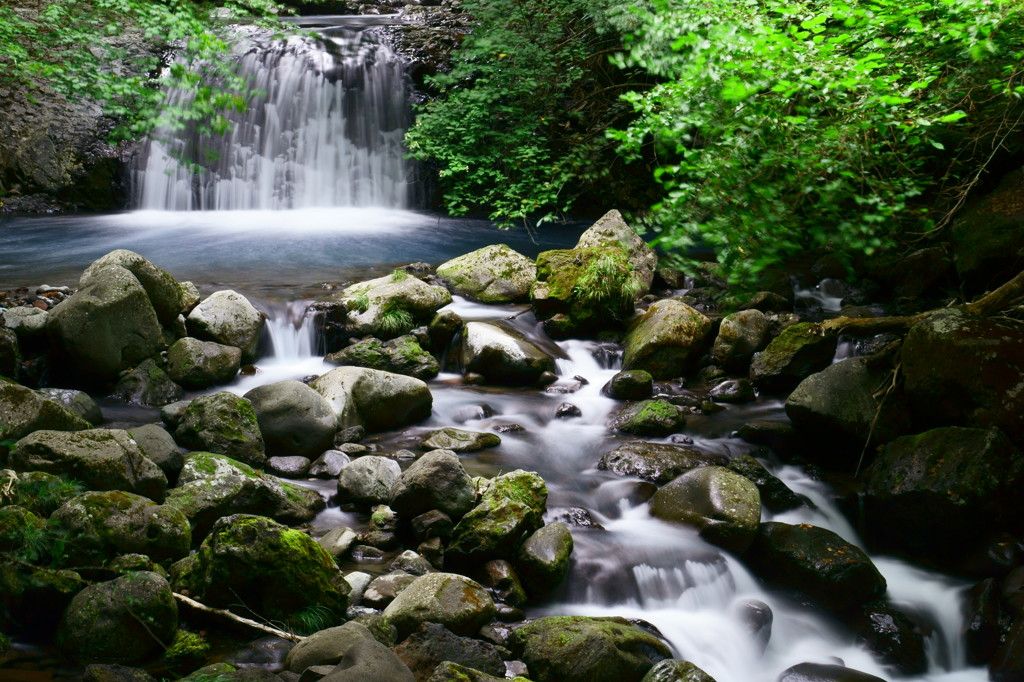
{"type": "Point", "coordinates": [666, 340]}
{"type": "Point", "coordinates": [650, 418]}
{"type": "Point", "coordinates": [456, 602]}
{"type": "Point", "coordinates": [228, 318]}
{"type": "Point", "coordinates": [501, 354]}
{"type": "Point", "coordinates": [198, 364]}
{"type": "Point", "coordinates": [385, 307]}
{"type": "Point", "coordinates": [510, 509]}
{"type": "Point", "coordinates": [148, 385]}
{"type": "Point", "coordinates": [164, 292]}
{"type": "Point", "coordinates": [795, 354]}
{"type": "Point", "coordinates": [374, 399]}
{"type": "Point", "coordinates": [40, 492]}
{"type": "Point", "coordinates": [223, 423]}
{"type": "Point", "coordinates": [493, 274]}
{"type": "Point", "coordinates": [275, 571]}
{"type": "Point", "coordinates": [26, 411]}
{"type": "Point", "coordinates": [459, 440]}
{"type": "Point", "coordinates": [656, 462]}
{"type": "Point", "coordinates": [437, 480]}
{"type": "Point", "coordinates": [542, 561]}
{"type": "Point", "coordinates": [401, 355]}
{"type": "Point", "coordinates": [17, 523]}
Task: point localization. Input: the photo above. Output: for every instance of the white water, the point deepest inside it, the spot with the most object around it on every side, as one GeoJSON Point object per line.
{"type": "Point", "coordinates": [324, 129]}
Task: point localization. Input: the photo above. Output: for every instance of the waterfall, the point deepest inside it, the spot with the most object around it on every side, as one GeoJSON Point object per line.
{"type": "Point", "coordinates": [324, 129]}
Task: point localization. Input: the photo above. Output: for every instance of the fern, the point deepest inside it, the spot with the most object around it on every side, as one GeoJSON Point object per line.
{"type": "Point", "coordinates": [399, 275]}
{"type": "Point", "coordinates": [312, 619]}
{"type": "Point", "coordinates": [611, 280]}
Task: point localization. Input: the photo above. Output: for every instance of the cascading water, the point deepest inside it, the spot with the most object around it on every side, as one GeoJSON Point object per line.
{"type": "Point", "coordinates": [324, 129]}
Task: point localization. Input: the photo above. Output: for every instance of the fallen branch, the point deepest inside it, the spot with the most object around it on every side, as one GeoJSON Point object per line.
{"type": "Point", "coordinates": [224, 613]}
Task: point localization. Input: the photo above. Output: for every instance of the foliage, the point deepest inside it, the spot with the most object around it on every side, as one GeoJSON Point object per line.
{"type": "Point", "coordinates": [399, 275]}
{"type": "Point", "coordinates": [42, 494]}
{"type": "Point", "coordinates": [609, 280]}
{"type": "Point", "coordinates": [312, 619]}
{"type": "Point", "coordinates": [783, 125]}
{"type": "Point", "coordinates": [360, 303]}
{"type": "Point", "coordinates": [518, 126]}
{"type": "Point", "coordinates": [394, 320]}
{"type": "Point", "coordinates": [110, 52]}
{"type": "Point", "coordinates": [189, 649]}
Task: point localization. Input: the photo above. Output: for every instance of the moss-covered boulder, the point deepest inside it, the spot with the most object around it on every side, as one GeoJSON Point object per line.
{"type": "Point", "coordinates": [165, 293]}
{"type": "Point", "coordinates": [98, 525]}
{"type": "Point", "coordinates": [740, 335]}
{"type": "Point", "coordinates": [102, 459]}
{"type": "Point", "coordinates": [79, 402]}
{"type": "Point", "coordinates": [776, 496]}
{"type": "Point", "coordinates": [197, 364]}
{"type": "Point", "coordinates": [275, 571]}
{"type": "Point", "coordinates": [649, 418]}
{"type": "Point", "coordinates": [437, 480]}
{"type": "Point", "coordinates": [25, 411]}
{"type": "Point", "coordinates": [612, 231]}
{"type": "Point", "coordinates": [34, 597]}
{"type": "Point", "coordinates": [228, 318]}
{"type": "Point", "coordinates": [147, 384]}
{"type": "Point", "coordinates": [374, 399]}
{"type": "Point", "coordinates": [106, 327]}
{"type": "Point", "coordinates": [37, 491]}
{"type": "Point", "coordinates": [159, 447]}
{"type": "Point", "coordinates": [401, 355]}
{"type": "Point", "coordinates": [125, 620]}
{"type": "Point", "coordinates": [795, 354]}
{"type": "Point", "coordinates": [211, 486]}
{"type": "Point", "coordinates": [542, 561]}
{"type": "Point", "coordinates": [502, 354]}
{"type": "Point", "coordinates": [724, 506]}
{"type": "Point", "coordinates": [657, 462]}
{"type": "Point", "coordinates": [814, 562]}
{"type": "Point", "coordinates": [666, 340]}
{"type": "Point", "coordinates": [964, 370]}
{"type": "Point", "coordinates": [511, 508]}
{"type": "Point", "coordinates": [456, 602]}
{"type": "Point", "coordinates": [493, 274]}
{"type": "Point", "coordinates": [294, 420]}
{"type": "Point", "coordinates": [676, 670]}
{"type": "Point", "coordinates": [223, 423]}
{"type": "Point", "coordinates": [934, 493]}
{"type": "Point", "coordinates": [17, 524]}
{"type": "Point", "coordinates": [385, 307]}
{"type": "Point", "coordinates": [459, 440]}
{"type": "Point", "coordinates": [634, 384]}
{"type": "Point", "coordinates": [581, 649]}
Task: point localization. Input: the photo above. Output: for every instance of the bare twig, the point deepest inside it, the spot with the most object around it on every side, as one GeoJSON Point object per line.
{"type": "Point", "coordinates": [224, 613]}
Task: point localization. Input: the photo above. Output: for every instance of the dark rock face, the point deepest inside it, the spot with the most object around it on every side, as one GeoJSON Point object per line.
{"type": "Point", "coordinates": [656, 462]}
{"type": "Point", "coordinates": [822, 672]}
{"type": "Point", "coordinates": [893, 637]}
{"type": "Point", "coordinates": [424, 650]}
{"type": "Point", "coordinates": [988, 239]}
{"type": "Point", "coordinates": [792, 356]}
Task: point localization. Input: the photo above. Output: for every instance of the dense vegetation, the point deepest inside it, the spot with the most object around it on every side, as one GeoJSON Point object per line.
{"type": "Point", "coordinates": [773, 127]}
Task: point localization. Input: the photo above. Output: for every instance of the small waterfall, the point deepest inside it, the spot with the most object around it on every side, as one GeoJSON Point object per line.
{"type": "Point", "coordinates": [324, 129]}
{"type": "Point", "coordinates": [292, 332]}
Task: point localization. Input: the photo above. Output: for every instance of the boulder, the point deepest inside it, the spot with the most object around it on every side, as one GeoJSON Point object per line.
{"type": "Point", "coordinates": [988, 237]}
{"type": "Point", "coordinates": [815, 562]}
{"type": "Point", "coordinates": [740, 336]}
{"type": "Point", "coordinates": [459, 440]}
{"type": "Point", "coordinates": [101, 624]}
{"type": "Point", "coordinates": [102, 459]}
{"type": "Point", "coordinates": [26, 321]}
{"type": "Point", "coordinates": [385, 307]}
{"type": "Point", "coordinates": [675, 670]}
{"type": "Point", "coordinates": [932, 493]}
{"type": "Point", "coordinates": [368, 480]}
{"type": "Point", "coordinates": [276, 572]}
{"type": "Point", "coordinates": [10, 354]}
{"type": "Point", "coordinates": [99, 525]}
{"type": "Point", "coordinates": [502, 355]}
{"type": "Point", "coordinates": [581, 649]}
{"type": "Point", "coordinates": [37, 491]}
{"type": "Point", "coordinates": [147, 385]}
{"type": "Point", "coordinates": [456, 602]}
{"type": "Point", "coordinates": [288, 467]}
{"type": "Point", "coordinates": [510, 509]}
{"type": "Point", "coordinates": [503, 583]}
{"type": "Point", "coordinates": [434, 644]}
{"type": "Point", "coordinates": [223, 423]}
{"type": "Point", "coordinates": [724, 506]}
{"type": "Point", "coordinates": [791, 357]}
{"type": "Point", "coordinates": [164, 292]}
{"type": "Point", "coordinates": [370, 661]}
{"type": "Point", "coordinates": [629, 385]}
{"type": "Point", "coordinates": [197, 364]}
{"type": "Point", "coordinates": [649, 418]}
{"type": "Point", "coordinates": [25, 411]}
{"type": "Point", "coordinates": [493, 274]}
{"type": "Point", "coordinates": [326, 647]}
{"type": "Point", "coordinates": [453, 672]}
{"type": "Point", "coordinates": [824, 672]}
{"type": "Point", "coordinates": [78, 402]}
{"type": "Point", "coordinates": [382, 590]}
{"type": "Point", "coordinates": [159, 447]}
{"type": "Point", "coordinates": [211, 486]}
{"type": "Point", "coordinates": [542, 561]}
{"type": "Point", "coordinates": [402, 355]}
{"type": "Point", "coordinates": [329, 465]}
{"type": "Point", "coordinates": [611, 231]}
{"type": "Point", "coordinates": [656, 462]}
{"type": "Point", "coordinates": [293, 418]}
{"type": "Point", "coordinates": [374, 399]}
{"type": "Point", "coordinates": [894, 638]}
{"type": "Point", "coordinates": [666, 340]}
{"type": "Point", "coordinates": [437, 480]}
{"type": "Point", "coordinates": [965, 371]}
{"type": "Point", "coordinates": [775, 495]}
{"type": "Point", "coordinates": [228, 318]}
{"type": "Point", "coordinates": [106, 327]}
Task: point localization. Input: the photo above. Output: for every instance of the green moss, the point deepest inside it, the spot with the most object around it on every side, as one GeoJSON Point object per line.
{"type": "Point", "coordinates": [188, 650]}
{"type": "Point", "coordinates": [399, 275]}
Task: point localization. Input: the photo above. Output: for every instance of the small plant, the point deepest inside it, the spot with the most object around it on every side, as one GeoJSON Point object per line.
{"type": "Point", "coordinates": [395, 321]}
{"type": "Point", "coordinates": [312, 619]}
{"type": "Point", "coordinates": [399, 275]}
{"type": "Point", "coordinates": [611, 280]}
{"type": "Point", "coordinates": [188, 650]}
{"type": "Point", "coordinates": [360, 303]}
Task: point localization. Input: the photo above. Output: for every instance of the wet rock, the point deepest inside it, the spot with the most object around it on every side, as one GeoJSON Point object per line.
{"type": "Point", "coordinates": [824, 672]}
{"type": "Point", "coordinates": [326, 647]}
{"type": "Point", "coordinates": [211, 486]}
{"type": "Point", "coordinates": [649, 418]}
{"type": "Point", "coordinates": [148, 385]}
{"type": "Point", "coordinates": [99, 672]}
{"type": "Point", "coordinates": [26, 411]}
{"type": "Point", "coordinates": [794, 355]}
{"type": "Point", "coordinates": [329, 464]}
{"type": "Point", "coordinates": [431, 524]}
{"type": "Point", "coordinates": [567, 411]}
{"type": "Point", "coordinates": [78, 402]}
{"type": "Point", "coordinates": [385, 307]}
{"type": "Point", "coordinates": [277, 570]}
{"type": "Point", "coordinates": [733, 391]}
{"type": "Point", "coordinates": [895, 640]}
{"type": "Point", "coordinates": [368, 480]}
{"type": "Point", "coordinates": [228, 318]}
{"type": "Point", "coordinates": [657, 462]}
{"type": "Point", "coordinates": [740, 336]}
{"type": "Point", "coordinates": [988, 238]}
{"type": "Point", "coordinates": [778, 435]}
{"type": "Point", "coordinates": [102, 459]}
{"type": "Point", "coordinates": [493, 274]}
{"type": "Point", "coordinates": [767, 301]}
{"type": "Point", "coordinates": [338, 540]}
{"type": "Point", "coordinates": [433, 644]}
{"type": "Point", "coordinates": [675, 670]}
{"type": "Point", "coordinates": [293, 418]}
{"type": "Point", "coordinates": [724, 506]}
{"type": "Point", "coordinates": [10, 354]}
{"type": "Point", "coordinates": [575, 517]}
{"type": "Point", "coordinates": [578, 649]}
{"type": "Point", "coordinates": [502, 355]}
{"type": "Point", "coordinates": [223, 423]}
{"type": "Point", "coordinates": [629, 385]}
{"type": "Point", "coordinates": [443, 328]}
{"type": "Point", "coordinates": [758, 618]}
{"type": "Point", "coordinates": [775, 495]}
{"type": "Point", "coordinates": [27, 322]}
{"type": "Point", "coordinates": [543, 559]}
{"type": "Point", "coordinates": [453, 672]}
{"type": "Point", "coordinates": [666, 340]}
{"type": "Point", "coordinates": [164, 292]}
{"type": "Point", "coordinates": [402, 355]}
{"type": "Point", "coordinates": [351, 435]}
{"type": "Point", "coordinates": [1008, 662]}
{"type": "Point", "coordinates": [382, 530]}
{"type": "Point", "coordinates": [374, 399]}
{"type": "Point", "coordinates": [981, 629]}
{"type": "Point", "coordinates": [172, 413]}
{"type": "Point", "coordinates": [454, 601]}
{"type": "Point", "coordinates": [100, 524]}
{"type": "Point", "coordinates": [370, 661]}
{"type": "Point", "coordinates": [815, 562]}
{"type": "Point", "coordinates": [501, 579]}
{"type": "Point", "coordinates": [511, 508]}
{"type": "Point", "coordinates": [612, 495]}
{"type": "Point", "coordinates": [437, 480]}
{"type": "Point", "coordinates": [412, 563]}
{"type": "Point", "coordinates": [101, 624]}
{"type": "Point", "coordinates": [458, 440]}
{"type": "Point", "coordinates": [108, 326]}
{"type": "Point", "coordinates": [382, 590]}
{"type": "Point", "coordinates": [198, 364]}
{"type": "Point", "coordinates": [288, 467]}
{"type": "Point", "coordinates": [930, 493]}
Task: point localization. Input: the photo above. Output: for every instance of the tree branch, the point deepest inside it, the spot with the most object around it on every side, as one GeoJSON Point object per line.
{"type": "Point", "coordinates": [224, 613]}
